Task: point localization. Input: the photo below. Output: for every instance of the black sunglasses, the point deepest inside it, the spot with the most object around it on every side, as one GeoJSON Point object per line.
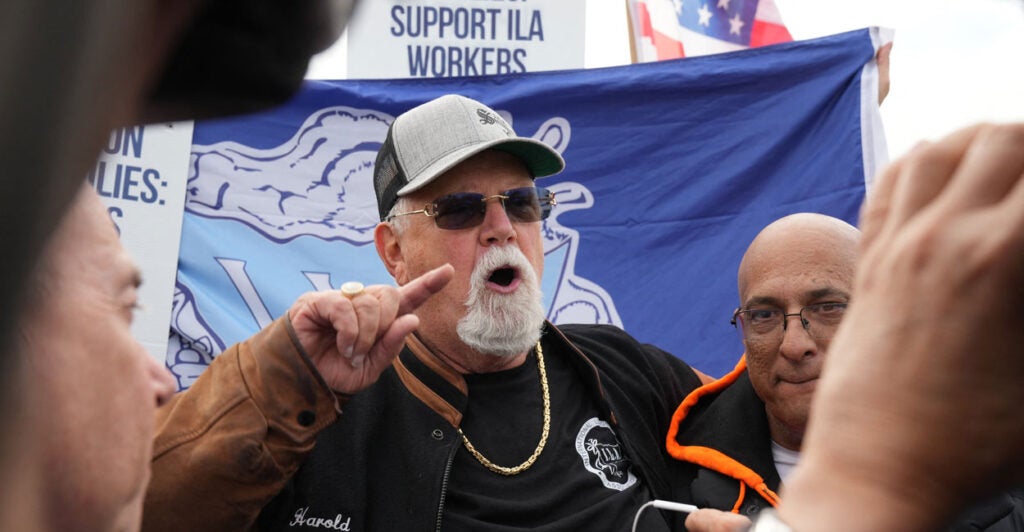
{"type": "Point", "coordinates": [463, 210]}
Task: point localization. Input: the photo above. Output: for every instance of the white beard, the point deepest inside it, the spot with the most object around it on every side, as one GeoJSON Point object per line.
{"type": "Point", "coordinates": [502, 324]}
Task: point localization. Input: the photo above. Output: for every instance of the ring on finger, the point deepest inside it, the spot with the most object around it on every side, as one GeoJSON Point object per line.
{"type": "Point", "coordinates": [352, 289]}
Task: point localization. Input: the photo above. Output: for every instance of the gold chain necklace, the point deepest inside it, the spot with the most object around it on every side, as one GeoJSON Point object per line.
{"type": "Point", "coordinates": [509, 471]}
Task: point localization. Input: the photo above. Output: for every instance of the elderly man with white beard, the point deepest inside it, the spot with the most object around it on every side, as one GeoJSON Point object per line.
{"type": "Point", "coordinates": [447, 403]}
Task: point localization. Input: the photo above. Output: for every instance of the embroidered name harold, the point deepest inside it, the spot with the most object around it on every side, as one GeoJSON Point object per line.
{"type": "Point", "coordinates": [338, 523]}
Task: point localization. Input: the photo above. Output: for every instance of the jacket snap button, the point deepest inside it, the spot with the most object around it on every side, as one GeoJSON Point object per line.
{"type": "Point", "coordinates": [437, 434]}
{"type": "Point", "coordinates": [306, 418]}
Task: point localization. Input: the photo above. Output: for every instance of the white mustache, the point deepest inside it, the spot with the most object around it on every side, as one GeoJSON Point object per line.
{"type": "Point", "coordinates": [502, 324]}
{"type": "Point", "coordinates": [499, 257]}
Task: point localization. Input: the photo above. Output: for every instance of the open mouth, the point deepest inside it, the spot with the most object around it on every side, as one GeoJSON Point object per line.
{"type": "Point", "coordinates": [504, 279]}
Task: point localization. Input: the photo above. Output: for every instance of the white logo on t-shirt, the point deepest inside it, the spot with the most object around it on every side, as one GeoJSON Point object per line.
{"type": "Point", "coordinates": [602, 454]}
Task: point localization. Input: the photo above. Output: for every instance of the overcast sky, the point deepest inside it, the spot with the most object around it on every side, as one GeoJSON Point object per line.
{"type": "Point", "coordinates": [954, 62]}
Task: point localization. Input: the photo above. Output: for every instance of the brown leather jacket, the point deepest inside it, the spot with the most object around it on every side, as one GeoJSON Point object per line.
{"type": "Point", "coordinates": [232, 446]}
{"type": "Point", "coordinates": [267, 411]}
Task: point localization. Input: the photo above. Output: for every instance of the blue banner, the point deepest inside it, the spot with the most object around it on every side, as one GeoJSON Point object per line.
{"type": "Point", "coordinates": [672, 168]}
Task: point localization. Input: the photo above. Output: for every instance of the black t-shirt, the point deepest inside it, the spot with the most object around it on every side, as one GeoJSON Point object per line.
{"type": "Point", "coordinates": [582, 480]}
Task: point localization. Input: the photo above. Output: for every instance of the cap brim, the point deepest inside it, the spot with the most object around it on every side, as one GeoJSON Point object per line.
{"type": "Point", "coordinates": [540, 159]}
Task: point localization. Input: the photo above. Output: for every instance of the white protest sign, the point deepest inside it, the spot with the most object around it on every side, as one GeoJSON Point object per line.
{"type": "Point", "coordinates": [141, 176]}
{"type": "Point", "coordinates": [447, 38]}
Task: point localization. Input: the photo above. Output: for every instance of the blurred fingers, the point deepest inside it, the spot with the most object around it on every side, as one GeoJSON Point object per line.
{"type": "Point", "coordinates": [875, 210]}
{"type": "Point", "coordinates": [991, 167]}
{"type": "Point", "coordinates": [924, 174]}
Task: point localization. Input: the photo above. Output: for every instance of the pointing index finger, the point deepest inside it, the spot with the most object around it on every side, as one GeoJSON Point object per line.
{"type": "Point", "coordinates": [415, 292]}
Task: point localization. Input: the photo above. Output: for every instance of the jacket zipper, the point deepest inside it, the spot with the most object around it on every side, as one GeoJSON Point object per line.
{"type": "Point", "coordinates": [444, 485]}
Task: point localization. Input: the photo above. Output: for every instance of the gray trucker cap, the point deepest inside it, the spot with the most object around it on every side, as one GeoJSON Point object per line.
{"type": "Point", "coordinates": [430, 139]}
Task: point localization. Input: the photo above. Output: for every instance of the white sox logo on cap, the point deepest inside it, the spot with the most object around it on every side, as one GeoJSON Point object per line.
{"type": "Point", "coordinates": [487, 118]}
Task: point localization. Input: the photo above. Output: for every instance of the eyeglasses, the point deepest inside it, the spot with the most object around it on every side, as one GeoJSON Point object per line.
{"type": "Point", "coordinates": [463, 210]}
{"type": "Point", "coordinates": [762, 324]}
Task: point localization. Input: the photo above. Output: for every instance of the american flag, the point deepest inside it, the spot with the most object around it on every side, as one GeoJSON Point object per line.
{"type": "Point", "coordinates": [667, 29]}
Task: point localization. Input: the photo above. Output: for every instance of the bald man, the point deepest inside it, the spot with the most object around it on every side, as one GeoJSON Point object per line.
{"type": "Point", "coordinates": [742, 434]}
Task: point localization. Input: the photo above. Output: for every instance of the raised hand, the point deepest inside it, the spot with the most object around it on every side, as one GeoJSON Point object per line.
{"type": "Point", "coordinates": [352, 341]}
{"type": "Point", "coordinates": [918, 409]}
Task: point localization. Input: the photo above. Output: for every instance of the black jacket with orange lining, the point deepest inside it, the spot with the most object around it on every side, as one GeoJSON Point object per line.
{"type": "Point", "coordinates": [721, 431]}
